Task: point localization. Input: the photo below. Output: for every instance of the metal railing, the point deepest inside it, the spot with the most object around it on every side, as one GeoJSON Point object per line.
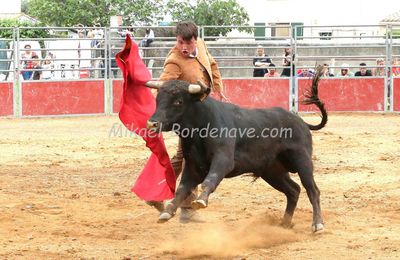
{"type": "Point", "coordinates": [81, 53]}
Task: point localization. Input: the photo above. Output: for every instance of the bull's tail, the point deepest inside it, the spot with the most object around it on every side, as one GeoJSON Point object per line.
{"type": "Point", "coordinates": [312, 98]}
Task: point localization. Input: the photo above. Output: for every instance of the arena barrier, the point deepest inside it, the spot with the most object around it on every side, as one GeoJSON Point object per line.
{"type": "Point", "coordinates": [258, 93]}
{"type": "Point", "coordinates": [249, 93]}
{"type": "Point", "coordinates": [396, 94]}
{"type": "Point", "coordinates": [346, 94]}
{"type": "Point", "coordinates": [62, 98]}
{"type": "Point", "coordinates": [6, 99]}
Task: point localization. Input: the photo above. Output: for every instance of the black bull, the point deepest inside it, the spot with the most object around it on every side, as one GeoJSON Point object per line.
{"type": "Point", "coordinates": [269, 143]}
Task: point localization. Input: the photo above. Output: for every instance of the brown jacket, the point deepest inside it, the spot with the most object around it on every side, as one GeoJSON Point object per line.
{"type": "Point", "coordinates": [203, 68]}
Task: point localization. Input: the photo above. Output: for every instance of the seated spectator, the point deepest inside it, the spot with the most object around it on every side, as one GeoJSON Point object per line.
{"type": "Point", "coordinates": [261, 61]}
{"type": "Point", "coordinates": [305, 72]}
{"type": "Point", "coordinates": [326, 71]}
{"type": "Point", "coordinates": [272, 71]}
{"type": "Point", "coordinates": [381, 70]}
{"type": "Point", "coordinates": [37, 74]}
{"type": "Point", "coordinates": [395, 67]}
{"type": "Point", "coordinates": [345, 71]}
{"type": "Point", "coordinates": [363, 72]}
{"type": "Point", "coordinates": [148, 38]}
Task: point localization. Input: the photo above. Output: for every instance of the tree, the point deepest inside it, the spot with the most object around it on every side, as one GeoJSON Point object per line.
{"type": "Point", "coordinates": [140, 12]}
{"type": "Point", "coordinates": [23, 33]}
{"type": "Point", "coordinates": [210, 12]}
{"type": "Point", "coordinates": [91, 12]}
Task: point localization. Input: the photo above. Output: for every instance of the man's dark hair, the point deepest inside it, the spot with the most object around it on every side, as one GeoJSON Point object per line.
{"type": "Point", "coordinates": [35, 57]}
{"type": "Point", "coordinates": [272, 65]}
{"type": "Point", "coordinates": [186, 30]}
{"type": "Point", "coordinates": [27, 45]}
{"type": "Point", "coordinates": [363, 64]}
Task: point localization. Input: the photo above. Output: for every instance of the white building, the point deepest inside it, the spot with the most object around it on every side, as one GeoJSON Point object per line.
{"type": "Point", "coordinates": [322, 13]}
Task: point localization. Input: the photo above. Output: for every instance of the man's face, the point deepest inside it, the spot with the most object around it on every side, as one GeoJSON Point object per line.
{"type": "Point", "coordinates": [260, 52]}
{"type": "Point", "coordinates": [27, 49]}
{"type": "Point", "coordinates": [363, 70]}
{"type": "Point", "coordinates": [186, 47]}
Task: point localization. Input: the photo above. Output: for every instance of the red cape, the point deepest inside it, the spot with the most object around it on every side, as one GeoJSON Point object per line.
{"type": "Point", "coordinates": [157, 180]}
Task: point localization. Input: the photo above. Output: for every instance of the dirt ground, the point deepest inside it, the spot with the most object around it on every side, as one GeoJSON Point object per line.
{"type": "Point", "coordinates": [65, 194]}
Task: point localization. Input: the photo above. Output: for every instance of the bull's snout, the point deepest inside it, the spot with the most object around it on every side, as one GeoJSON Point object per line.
{"type": "Point", "coordinates": [152, 125]}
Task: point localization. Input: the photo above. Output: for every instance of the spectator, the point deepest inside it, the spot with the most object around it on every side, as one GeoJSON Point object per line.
{"type": "Point", "coordinates": [37, 74]}
{"type": "Point", "coordinates": [272, 71]}
{"type": "Point", "coordinates": [48, 66]}
{"type": "Point", "coordinates": [363, 72]}
{"type": "Point", "coordinates": [288, 63]}
{"type": "Point", "coordinates": [148, 38]}
{"type": "Point", "coordinates": [380, 71]}
{"type": "Point", "coordinates": [395, 67]}
{"type": "Point", "coordinates": [345, 71]}
{"type": "Point", "coordinates": [127, 31]}
{"type": "Point", "coordinates": [305, 73]}
{"type": "Point", "coordinates": [26, 62]}
{"type": "Point", "coordinates": [261, 61]}
{"type": "Point", "coordinates": [326, 72]}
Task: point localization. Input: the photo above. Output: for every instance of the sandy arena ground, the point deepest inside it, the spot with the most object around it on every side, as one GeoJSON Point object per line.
{"type": "Point", "coordinates": [65, 194]}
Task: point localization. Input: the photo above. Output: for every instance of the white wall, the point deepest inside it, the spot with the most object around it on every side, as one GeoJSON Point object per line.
{"type": "Point", "coordinates": [319, 12]}
{"type": "Point", "coordinates": [10, 6]}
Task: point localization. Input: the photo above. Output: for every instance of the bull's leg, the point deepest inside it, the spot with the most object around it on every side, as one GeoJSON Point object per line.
{"type": "Point", "coordinates": [188, 183]}
{"type": "Point", "coordinates": [221, 165]}
{"type": "Point", "coordinates": [283, 183]}
{"type": "Point", "coordinates": [305, 171]}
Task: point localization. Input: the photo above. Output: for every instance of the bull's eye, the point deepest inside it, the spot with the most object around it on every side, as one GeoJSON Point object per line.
{"type": "Point", "coordinates": [178, 102]}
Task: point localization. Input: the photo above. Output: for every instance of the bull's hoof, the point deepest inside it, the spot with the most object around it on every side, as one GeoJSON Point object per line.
{"type": "Point", "coordinates": [164, 217]}
{"type": "Point", "coordinates": [287, 225]}
{"type": "Point", "coordinates": [318, 228]}
{"type": "Point", "coordinates": [199, 204]}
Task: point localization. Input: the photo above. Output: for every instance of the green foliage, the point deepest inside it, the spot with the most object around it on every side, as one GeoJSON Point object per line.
{"type": "Point", "coordinates": [24, 33]}
{"type": "Point", "coordinates": [210, 12]}
{"type": "Point", "coordinates": [396, 34]}
{"type": "Point", "coordinates": [67, 13]}
{"type": "Point", "coordinates": [70, 12]}
{"type": "Point", "coordinates": [91, 12]}
{"type": "Point", "coordinates": [139, 12]}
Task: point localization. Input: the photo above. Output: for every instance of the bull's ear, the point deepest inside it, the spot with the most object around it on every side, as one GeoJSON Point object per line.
{"type": "Point", "coordinates": [154, 84]}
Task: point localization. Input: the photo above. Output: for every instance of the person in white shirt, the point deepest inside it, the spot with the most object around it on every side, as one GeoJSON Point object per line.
{"type": "Point", "coordinates": [148, 38]}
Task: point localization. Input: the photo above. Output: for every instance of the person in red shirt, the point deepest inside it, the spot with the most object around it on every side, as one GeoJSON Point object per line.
{"type": "Point", "coordinates": [272, 71]}
{"type": "Point", "coordinates": [26, 62]}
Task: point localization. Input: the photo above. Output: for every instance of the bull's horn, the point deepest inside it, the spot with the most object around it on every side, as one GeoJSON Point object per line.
{"type": "Point", "coordinates": [194, 89]}
{"type": "Point", "coordinates": [203, 86]}
{"type": "Point", "coordinates": [154, 84]}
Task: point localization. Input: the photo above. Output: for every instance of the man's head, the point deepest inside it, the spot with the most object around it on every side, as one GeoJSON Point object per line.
{"type": "Point", "coordinates": [27, 48]}
{"type": "Point", "coordinates": [380, 62]}
{"type": "Point", "coordinates": [272, 68]}
{"type": "Point", "coordinates": [363, 68]}
{"type": "Point", "coordinates": [35, 60]}
{"type": "Point", "coordinates": [344, 70]}
{"type": "Point", "coordinates": [186, 37]}
{"type": "Point", "coordinates": [260, 50]}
